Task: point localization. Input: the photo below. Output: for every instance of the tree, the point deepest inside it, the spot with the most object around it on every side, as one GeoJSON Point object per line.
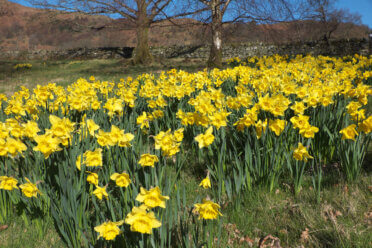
{"type": "Point", "coordinates": [328, 16]}
{"type": "Point", "coordinates": [143, 13]}
{"type": "Point", "coordinates": [268, 11]}
{"type": "Point", "coordinates": [262, 12]}
{"type": "Point", "coordinates": [216, 10]}
{"type": "Point", "coordinates": [220, 12]}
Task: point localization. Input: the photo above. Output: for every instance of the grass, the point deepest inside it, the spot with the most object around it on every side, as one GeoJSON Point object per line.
{"type": "Point", "coordinates": [343, 218]}
{"type": "Point", "coordinates": [338, 221]}
{"type": "Point", "coordinates": [18, 234]}
{"type": "Point", "coordinates": [64, 72]}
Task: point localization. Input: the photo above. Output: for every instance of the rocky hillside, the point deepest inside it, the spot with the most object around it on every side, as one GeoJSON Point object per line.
{"type": "Point", "coordinates": [25, 28]}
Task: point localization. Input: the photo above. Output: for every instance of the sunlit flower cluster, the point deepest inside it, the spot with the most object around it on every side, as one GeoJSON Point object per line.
{"type": "Point", "coordinates": [21, 66]}
{"type": "Point", "coordinates": [114, 146]}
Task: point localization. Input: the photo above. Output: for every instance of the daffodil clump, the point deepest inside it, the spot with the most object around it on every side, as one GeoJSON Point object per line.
{"type": "Point", "coordinates": [21, 66]}
{"type": "Point", "coordinates": [105, 159]}
{"type": "Point", "coordinates": [29, 189]}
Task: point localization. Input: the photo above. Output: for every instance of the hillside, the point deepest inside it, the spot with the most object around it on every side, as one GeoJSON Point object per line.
{"type": "Point", "coordinates": [25, 28]}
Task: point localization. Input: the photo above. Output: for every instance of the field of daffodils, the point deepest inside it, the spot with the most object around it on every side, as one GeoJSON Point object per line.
{"type": "Point", "coordinates": [105, 159]}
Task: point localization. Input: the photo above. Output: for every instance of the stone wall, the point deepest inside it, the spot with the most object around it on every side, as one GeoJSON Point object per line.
{"type": "Point", "coordinates": [79, 53]}
{"type": "Point", "coordinates": [336, 48]}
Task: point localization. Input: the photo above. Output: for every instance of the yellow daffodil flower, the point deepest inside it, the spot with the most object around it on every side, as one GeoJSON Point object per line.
{"type": "Point", "coordinates": [152, 198]}
{"type": "Point", "coordinates": [92, 178]}
{"type": "Point", "coordinates": [109, 230]}
{"type": "Point", "coordinates": [206, 183]}
{"type": "Point", "coordinates": [349, 132]}
{"type": "Point", "coordinates": [142, 221]}
{"type": "Point", "coordinates": [8, 183]}
{"type": "Point", "coordinates": [205, 139]}
{"type": "Point", "coordinates": [122, 180]}
{"type": "Point", "coordinates": [148, 160]}
{"type": "Point", "coordinates": [100, 192]}
{"type": "Point", "coordinates": [29, 189]}
{"type": "Point", "coordinates": [301, 153]}
{"type": "Point", "coordinates": [207, 210]}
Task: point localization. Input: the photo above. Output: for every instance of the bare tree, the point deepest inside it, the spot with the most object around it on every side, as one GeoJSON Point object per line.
{"type": "Point", "coordinates": [142, 13]}
{"type": "Point", "coordinates": [329, 17]}
{"type": "Point", "coordinates": [271, 12]}
{"type": "Point", "coordinates": [219, 12]}
{"type": "Point", "coordinates": [211, 13]}
{"type": "Point", "coordinates": [316, 18]}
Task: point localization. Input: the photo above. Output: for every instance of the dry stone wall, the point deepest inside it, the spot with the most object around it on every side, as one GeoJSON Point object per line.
{"type": "Point", "coordinates": [335, 48]}
{"type": "Point", "coordinates": [78, 53]}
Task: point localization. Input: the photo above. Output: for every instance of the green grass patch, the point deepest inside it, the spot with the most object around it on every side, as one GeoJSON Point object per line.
{"type": "Point", "coordinates": [342, 219]}
{"type": "Point", "coordinates": [16, 234]}
{"type": "Point", "coordinates": [65, 72]}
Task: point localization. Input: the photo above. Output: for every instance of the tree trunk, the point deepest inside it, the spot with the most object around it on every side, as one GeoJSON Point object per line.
{"type": "Point", "coordinates": [142, 51]}
{"type": "Point", "coordinates": [215, 55]}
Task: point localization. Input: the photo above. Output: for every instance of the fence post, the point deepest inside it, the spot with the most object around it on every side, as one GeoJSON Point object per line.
{"type": "Point", "coordinates": [370, 43]}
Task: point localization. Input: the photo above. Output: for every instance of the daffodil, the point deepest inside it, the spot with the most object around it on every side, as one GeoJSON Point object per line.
{"type": "Point", "coordinates": [207, 210]}
{"type": "Point", "coordinates": [92, 127]}
{"type": "Point", "coordinates": [122, 180]}
{"type": "Point", "coordinates": [205, 139]}
{"type": "Point", "coordinates": [30, 129]}
{"type": "Point", "coordinates": [15, 146]}
{"type": "Point", "coordinates": [100, 192]}
{"type": "Point", "coordinates": [90, 158]}
{"type": "Point", "coordinates": [93, 158]}
{"type": "Point", "coordinates": [277, 126]}
{"type": "Point", "coordinates": [219, 119]}
{"type": "Point", "coordinates": [29, 189]}
{"type": "Point", "coordinates": [114, 106]}
{"type": "Point", "coordinates": [300, 121]}
{"type": "Point", "coordinates": [349, 132]}
{"type": "Point", "coordinates": [104, 138]}
{"type": "Point", "coordinates": [152, 198]}
{"type": "Point", "coordinates": [3, 148]}
{"type": "Point", "coordinates": [167, 142]}
{"type": "Point", "coordinates": [178, 134]}
{"type": "Point", "coordinates": [8, 183]}
{"type": "Point", "coordinates": [260, 128]}
{"type": "Point", "coordinates": [308, 131]}
{"type": "Point", "coordinates": [109, 230]}
{"type": "Point", "coordinates": [61, 128]}
{"type": "Point", "coordinates": [301, 153]}
{"type": "Point", "coordinates": [142, 221]}
{"type": "Point", "coordinates": [125, 139]}
{"type": "Point", "coordinates": [205, 183]}
{"type": "Point", "coordinates": [148, 160]}
{"type": "Point", "coordinates": [298, 108]}
{"type": "Point", "coordinates": [143, 120]}
{"type": "Point", "coordinates": [366, 125]}
{"type": "Point", "coordinates": [92, 178]}
{"type": "Point", "coordinates": [47, 144]}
